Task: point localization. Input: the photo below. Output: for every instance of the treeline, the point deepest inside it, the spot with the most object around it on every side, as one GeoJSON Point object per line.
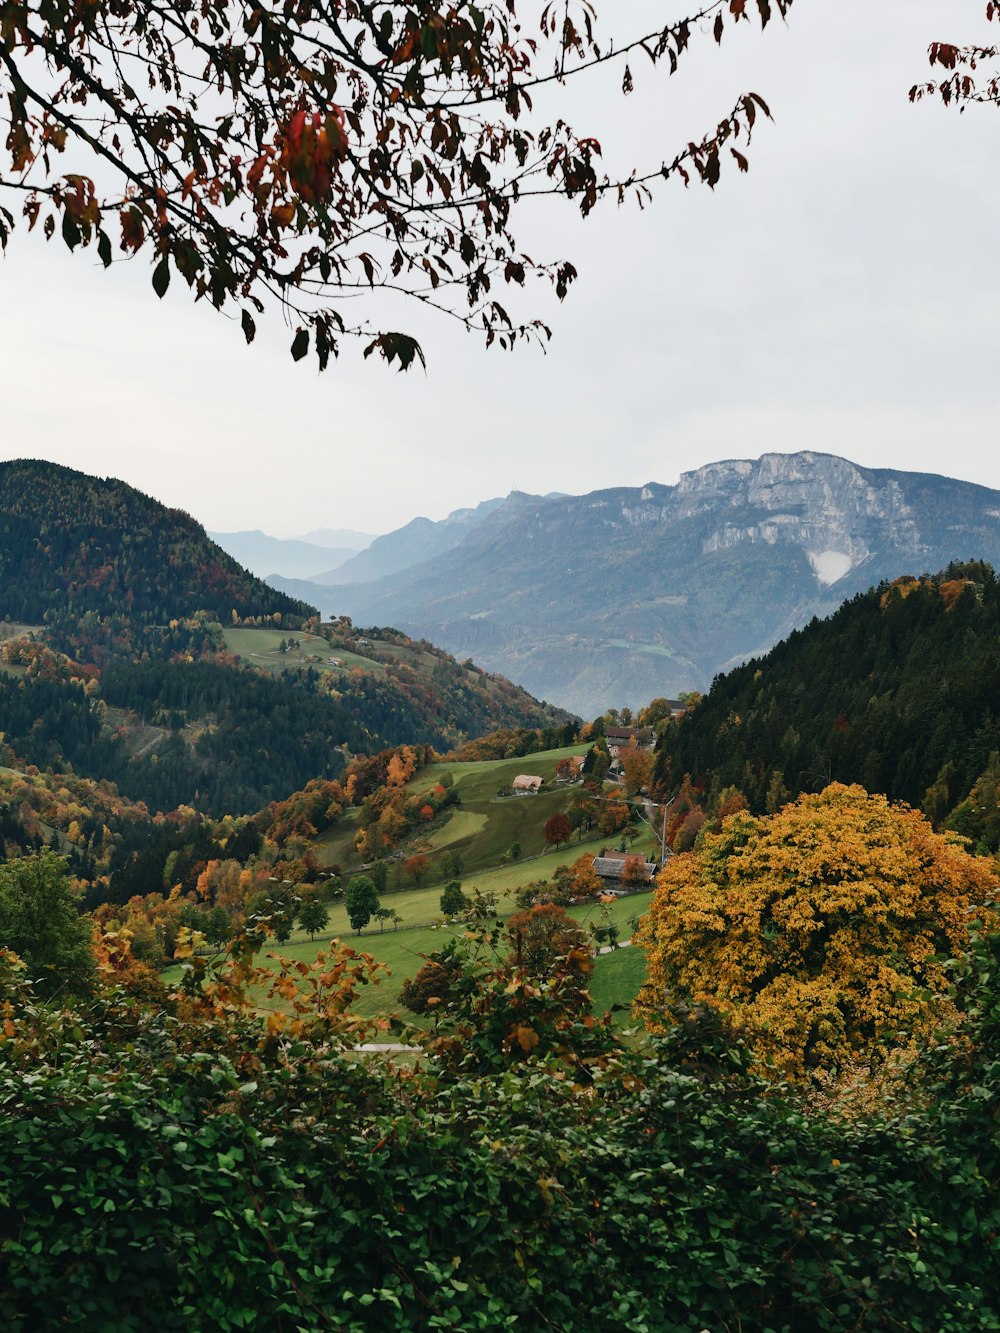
{"type": "Point", "coordinates": [70, 542]}
{"type": "Point", "coordinates": [99, 639]}
{"type": "Point", "coordinates": [266, 737]}
{"type": "Point", "coordinates": [897, 691]}
{"type": "Point", "coordinates": [514, 742]}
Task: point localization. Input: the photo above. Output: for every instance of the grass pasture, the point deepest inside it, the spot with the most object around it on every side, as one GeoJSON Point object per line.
{"type": "Point", "coordinates": [484, 826]}
{"type": "Point", "coordinates": [616, 981]}
{"type": "Point", "coordinates": [260, 648]}
{"type": "Point", "coordinates": [402, 951]}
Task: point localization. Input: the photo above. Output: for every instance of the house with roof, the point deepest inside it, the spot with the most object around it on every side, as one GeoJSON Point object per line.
{"type": "Point", "coordinates": [620, 738]}
{"type": "Point", "coordinates": [611, 867]}
{"type": "Point", "coordinates": [526, 784]}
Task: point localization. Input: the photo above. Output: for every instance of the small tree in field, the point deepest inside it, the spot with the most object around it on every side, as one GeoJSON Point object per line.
{"type": "Point", "coordinates": [558, 829]}
{"type": "Point", "coordinates": [453, 900]}
{"type": "Point", "coordinates": [362, 902]}
{"type": "Point", "coordinates": [313, 916]}
{"type": "Point", "coordinates": [417, 867]}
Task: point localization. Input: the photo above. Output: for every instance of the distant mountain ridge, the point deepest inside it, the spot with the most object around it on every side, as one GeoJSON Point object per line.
{"type": "Point", "coordinates": [264, 555]}
{"type": "Point", "coordinates": [621, 595]}
{"type": "Point", "coordinates": [419, 540]}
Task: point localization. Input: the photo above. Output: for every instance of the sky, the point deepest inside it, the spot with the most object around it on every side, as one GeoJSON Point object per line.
{"type": "Point", "coordinates": [839, 297]}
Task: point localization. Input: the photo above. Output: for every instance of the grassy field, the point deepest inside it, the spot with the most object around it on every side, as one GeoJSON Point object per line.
{"type": "Point", "coordinates": [616, 980]}
{"type": "Point", "coordinates": [402, 951]}
{"type": "Point", "coordinates": [484, 827]}
{"type": "Point", "coordinates": [260, 648]}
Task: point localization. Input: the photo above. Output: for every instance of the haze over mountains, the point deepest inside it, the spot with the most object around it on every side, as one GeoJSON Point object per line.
{"type": "Point", "coordinates": [615, 597]}
{"type": "Point", "coordinates": [298, 557]}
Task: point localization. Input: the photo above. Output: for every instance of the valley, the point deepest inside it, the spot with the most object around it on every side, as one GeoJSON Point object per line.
{"type": "Point", "coordinates": [344, 900]}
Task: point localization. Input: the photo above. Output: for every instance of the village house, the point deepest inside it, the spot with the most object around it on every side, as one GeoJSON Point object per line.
{"type": "Point", "coordinates": [611, 869]}
{"type": "Point", "coordinates": [620, 738]}
{"type": "Point", "coordinates": [526, 784]}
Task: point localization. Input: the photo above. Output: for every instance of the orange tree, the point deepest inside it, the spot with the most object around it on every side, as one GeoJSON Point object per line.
{"type": "Point", "coordinates": [302, 152]}
{"type": "Point", "coordinates": [820, 931]}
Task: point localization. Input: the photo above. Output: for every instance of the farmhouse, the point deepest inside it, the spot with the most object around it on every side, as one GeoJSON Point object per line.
{"type": "Point", "coordinates": [526, 784]}
{"type": "Point", "coordinates": [619, 869]}
{"type": "Point", "coordinates": [620, 738]}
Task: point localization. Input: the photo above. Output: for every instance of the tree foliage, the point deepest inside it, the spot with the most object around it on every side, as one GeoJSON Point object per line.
{"type": "Point", "coordinates": [961, 83]}
{"type": "Point", "coordinates": [662, 1187]}
{"type": "Point", "coordinates": [897, 685]}
{"type": "Point", "coordinates": [453, 901]}
{"type": "Point", "coordinates": [304, 153]}
{"type": "Point", "coordinates": [362, 902]}
{"type": "Point", "coordinates": [40, 922]}
{"type": "Point", "coordinates": [822, 932]}
{"type": "Point", "coordinates": [557, 829]}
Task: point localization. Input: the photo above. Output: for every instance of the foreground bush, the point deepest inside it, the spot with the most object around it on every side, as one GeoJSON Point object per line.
{"type": "Point", "coordinates": [191, 1166]}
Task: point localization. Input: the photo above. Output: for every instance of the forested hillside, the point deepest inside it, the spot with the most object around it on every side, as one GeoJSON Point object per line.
{"type": "Point", "coordinates": [225, 738]}
{"type": "Point", "coordinates": [897, 691]}
{"type": "Point", "coordinates": [71, 542]}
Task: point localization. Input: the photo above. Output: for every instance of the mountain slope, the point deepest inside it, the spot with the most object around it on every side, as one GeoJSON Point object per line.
{"type": "Point", "coordinates": [74, 543]}
{"type": "Point", "coordinates": [898, 689]}
{"type": "Point", "coordinates": [421, 539]}
{"type": "Point", "coordinates": [618, 596]}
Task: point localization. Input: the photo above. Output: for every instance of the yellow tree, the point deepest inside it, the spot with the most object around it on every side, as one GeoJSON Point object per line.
{"type": "Point", "coordinates": [637, 768]}
{"type": "Point", "coordinates": [820, 931]}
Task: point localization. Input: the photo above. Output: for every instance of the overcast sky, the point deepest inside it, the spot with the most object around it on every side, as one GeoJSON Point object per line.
{"type": "Point", "coordinates": [841, 297]}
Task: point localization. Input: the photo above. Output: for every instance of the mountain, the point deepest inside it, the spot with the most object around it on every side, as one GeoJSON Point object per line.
{"type": "Point", "coordinates": [264, 555]}
{"type": "Point", "coordinates": [336, 538]}
{"type": "Point", "coordinates": [622, 595]}
{"type": "Point", "coordinates": [897, 691]}
{"type": "Point", "coordinates": [421, 539]}
{"type": "Point", "coordinates": [75, 543]}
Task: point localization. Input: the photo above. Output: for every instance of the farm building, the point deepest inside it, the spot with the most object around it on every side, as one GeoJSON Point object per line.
{"type": "Point", "coordinates": [620, 738]}
{"type": "Point", "coordinates": [526, 783]}
{"type": "Point", "coordinates": [612, 868]}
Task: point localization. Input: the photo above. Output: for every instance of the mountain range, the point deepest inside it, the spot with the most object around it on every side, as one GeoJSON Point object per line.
{"type": "Point", "coordinates": [625, 594]}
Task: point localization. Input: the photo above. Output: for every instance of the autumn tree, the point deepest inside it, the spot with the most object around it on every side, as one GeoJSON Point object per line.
{"type": "Point", "coordinates": [417, 867]}
{"type": "Point", "coordinates": [541, 935]}
{"type": "Point", "coordinates": [637, 768]}
{"type": "Point", "coordinates": [634, 874]}
{"type": "Point", "coordinates": [819, 932]}
{"type": "Point", "coordinates": [558, 829]}
{"type": "Point", "coordinates": [299, 155]}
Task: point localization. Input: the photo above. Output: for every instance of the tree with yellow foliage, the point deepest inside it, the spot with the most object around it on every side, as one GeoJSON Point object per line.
{"type": "Point", "coordinates": [819, 932]}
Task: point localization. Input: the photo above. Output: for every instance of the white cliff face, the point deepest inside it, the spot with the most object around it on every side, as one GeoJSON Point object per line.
{"type": "Point", "coordinates": [827, 506]}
